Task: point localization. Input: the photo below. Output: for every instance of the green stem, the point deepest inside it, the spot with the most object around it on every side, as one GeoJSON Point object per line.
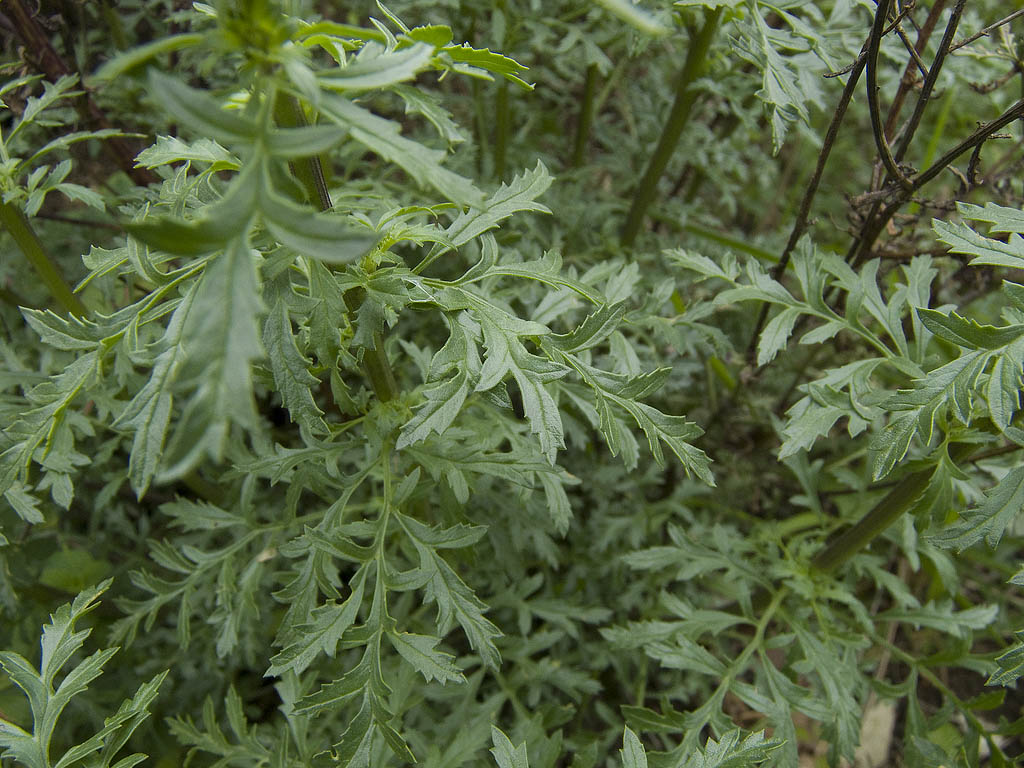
{"type": "Point", "coordinates": [15, 221]}
{"type": "Point", "coordinates": [586, 118]}
{"type": "Point", "coordinates": [881, 516]}
{"type": "Point", "coordinates": [309, 172]}
{"type": "Point", "coordinates": [501, 130]}
{"type": "Point", "coordinates": [694, 68]}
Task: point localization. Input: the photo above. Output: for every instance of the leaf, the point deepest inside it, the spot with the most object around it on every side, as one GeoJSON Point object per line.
{"type": "Point", "coordinates": [775, 335]}
{"type": "Point", "coordinates": [1010, 663]}
{"type": "Point", "coordinates": [734, 750]}
{"type": "Point", "coordinates": [129, 60]}
{"type": "Point", "coordinates": [965, 332]}
{"type": "Point", "coordinates": [149, 412]}
{"type": "Point", "coordinates": [200, 111]}
{"type": "Point", "coordinates": [376, 67]}
{"type": "Point", "coordinates": [505, 755]}
{"type": "Point", "coordinates": [942, 617]}
{"type": "Point", "coordinates": [291, 370]}
{"type": "Point", "coordinates": [515, 197]}
{"type": "Point", "coordinates": [990, 520]}
{"type": "Point", "coordinates": [633, 755]}
{"type": "Point", "coordinates": [221, 340]}
{"type": "Point", "coordinates": [329, 623]}
{"type": "Point", "coordinates": [419, 102]}
{"type": "Point", "coordinates": [456, 601]}
{"type": "Point", "coordinates": [420, 651]}
{"type": "Point", "coordinates": [445, 397]}
{"type": "Point", "coordinates": [383, 137]}
{"type": "Point", "coordinates": [48, 700]}
{"type": "Point", "coordinates": [481, 61]}
{"type": "Point", "coordinates": [171, 149]}
{"type": "Point", "coordinates": [227, 219]}
{"type": "Point", "coordinates": [986, 251]}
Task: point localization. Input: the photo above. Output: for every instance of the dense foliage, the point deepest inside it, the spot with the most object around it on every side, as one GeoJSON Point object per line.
{"type": "Point", "coordinates": [534, 384]}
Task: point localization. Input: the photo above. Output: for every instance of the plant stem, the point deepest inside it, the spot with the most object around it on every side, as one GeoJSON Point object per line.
{"type": "Point", "coordinates": [881, 516]}
{"type": "Point", "coordinates": [586, 118]}
{"type": "Point", "coordinates": [15, 222]}
{"type": "Point", "coordinates": [309, 172]}
{"type": "Point", "coordinates": [694, 68]}
{"type": "Point", "coordinates": [501, 130]}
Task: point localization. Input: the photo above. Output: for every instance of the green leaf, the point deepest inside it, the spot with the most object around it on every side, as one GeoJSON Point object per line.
{"type": "Point", "coordinates": [775, 335]}
{"type": "Point", "coordinates": [291, 370]}
{"type": "Point", "coordinates": [329, 622]}
{"type": "Point", "coordinates": [968, 333]}
{"type": "Point", "coordinates": [506, 755]}
{"type": "Point", "coordinates": [1010, 663]}
{"type": "Point", "coordinates": [944, 618]}
{"type": "Point", "coordinates": [633, 755]}
{"type": "Point", "coordinates": [200, 111]}
{"type": "Point", "coordinates": [421, 652]}
{"type": "Point", "coordinates": [221, 340]}
{"type": "Point", "coordinates": [376, 67]}
{"type": "Point", "coordinates": [986, 251]}
{"type": "Point", "coordinates": [445, 397]}
{"type": "Point", "coordinates": [171, 149]}
{"type": "Point", "coordinates": [383, 137]}
{"type": "Point", "coordinates": [304, 141]}
{"type": "Point", "coordinates": [734, 750]}
{"type": "Point", "coordinates": [149, 412]}
{"type": "Point", "coordinates": [125, 62]}
{"type": "Point", "coordinates": [481, 62]}
{"type": "Point", "coordinates": [519, 195]}
{"type": "Point", "coordinates": [990, 520]}
{"type": "Point", "coordinates": [227, 219]}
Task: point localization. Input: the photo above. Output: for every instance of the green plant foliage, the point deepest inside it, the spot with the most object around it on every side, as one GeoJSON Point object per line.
{"type": "Point", "coordinates": [464, 383]}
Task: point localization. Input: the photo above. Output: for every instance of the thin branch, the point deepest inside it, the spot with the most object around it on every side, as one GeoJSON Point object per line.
{"type": "Point", "coordinates": [907, 81]}
{"type": "Point", "coordinates": [912, 50]}
{"type": "Point", "coordinates": [929, 81]}
{"type": "Point", "coordinates": [1006, 20]}
{"type": "Point", "coordinates": [881, 143]}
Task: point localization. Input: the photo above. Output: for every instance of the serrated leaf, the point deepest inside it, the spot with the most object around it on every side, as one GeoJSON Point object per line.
{"type": "Point", "coordinates": [517, 196]}
{"type": "Point", "coordinates": [990, 520]}
{"type": "Point", "coordinates": [329, 622]}
{"type": "Point", "coordinates": [1010, 663]}
{"type": "Point", "coordinates": [221, 339]}
{"type": "Point", "coordinates": [291, 370]}
{"type": "Point", "coordinates": [506, 755]}
{"type": "Point", "coordinates": [171, 149]}
{"type": "Point", "coordinates": [968, 333]}
{"type": "Point", "coordinates": [734, 750]}
{"type": "Point", "coordinates": [775, 335]}
{"type": "Point", "coordinates": [376, 67]}
{"type": "Point", "coordinates": [421, 652]}
{"type": "Point", "coordinates": [633, 755]}
{"type": "Point", "coordinates": [384, 138]}
{"type": "Point", "coordinates": [986, 251]}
